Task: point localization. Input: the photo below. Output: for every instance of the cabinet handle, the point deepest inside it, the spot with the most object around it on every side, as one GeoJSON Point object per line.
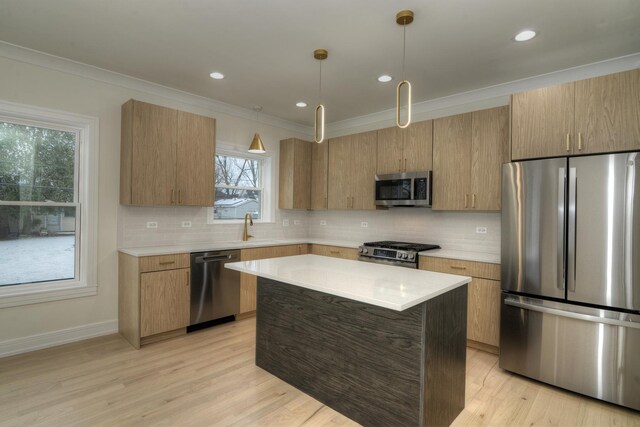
{"type": "Point", "coordinates": [172, 199]}
{"type": "Point", "coordinates": [568, 141]}
{"type": "Point", "coordinates": [455, 267]}
{"type": "Point", "coordinates": [466, 200]}
{"type": "Point", "coordinates": [334, 252]}
{"type": "Point", "coordinates": [473, 200]}
{"type": "Point", "coordinates": [347, 202]}
{"type": "Point", "coordinates": [166, 262]}
{"type": "Point", "coordinates": [188, 277]}
{"type": "Point", "coordinates": [352, 200]}
{"type": "Point", "coordinates": [405, 165]}
{"type": "Point", "coordinates": [579, 141]}
{"type": "Point", "coordinates": [179, 197]}
{"type": "Point", "coordinates": [326, 203]}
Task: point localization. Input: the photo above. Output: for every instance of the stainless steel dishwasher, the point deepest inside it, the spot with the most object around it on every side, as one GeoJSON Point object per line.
{"type": "Point", "coordinates": [215, 290]}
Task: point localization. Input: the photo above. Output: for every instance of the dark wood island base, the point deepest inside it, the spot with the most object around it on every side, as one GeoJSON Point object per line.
{"type": "Point", "coordinates": [377, 366]}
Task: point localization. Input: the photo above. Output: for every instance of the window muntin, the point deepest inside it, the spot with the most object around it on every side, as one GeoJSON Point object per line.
{"type": "Point", "coordinates": [39, 202]}
{"type": "Point", "coordinates": [238, 187]}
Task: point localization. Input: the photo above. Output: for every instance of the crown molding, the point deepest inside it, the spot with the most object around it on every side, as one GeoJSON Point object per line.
{"type": "Point", "coordinates": [488, 97]}
{"type": "Point", "coordinates": [68, 66]}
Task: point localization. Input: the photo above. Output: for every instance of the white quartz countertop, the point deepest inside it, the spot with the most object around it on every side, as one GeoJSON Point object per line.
{"type": "Point", "coordinates": [215, 246]}
{"type": "Point", "coordinates": [392, 287]}
{"type": "Point", "coordinates": [463, 255]}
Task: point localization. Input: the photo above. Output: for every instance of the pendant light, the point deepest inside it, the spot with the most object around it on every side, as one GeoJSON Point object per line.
{"type": "Point", "coordinates": [404, 18]}
{"type": "Point", "coordinates": [257, 147]}
{"type": "Point", "coordinates": [318, 119]}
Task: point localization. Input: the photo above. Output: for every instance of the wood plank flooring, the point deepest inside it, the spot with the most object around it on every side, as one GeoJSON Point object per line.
{"type": "Point", "coordinates": [208, 378]}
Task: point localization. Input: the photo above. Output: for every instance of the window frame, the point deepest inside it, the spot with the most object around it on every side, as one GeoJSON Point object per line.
{"type": "Point", "coordinates": [266, 183]}
{"type": "Point", "coordinates": [86, 185]}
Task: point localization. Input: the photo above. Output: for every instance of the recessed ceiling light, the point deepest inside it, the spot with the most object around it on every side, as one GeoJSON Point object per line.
{"type": "Point", "coordinates": [525, 35]}
{"type": "Point", "coordinates": [385, 78]}
{"type": "Point", "coordinates": [301, 104]}
{"type": "Point", "coordinates": [217, 75]}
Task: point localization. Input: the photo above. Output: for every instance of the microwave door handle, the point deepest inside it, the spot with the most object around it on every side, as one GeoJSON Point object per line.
{"type": "Point", "coordinates": [413, 188]}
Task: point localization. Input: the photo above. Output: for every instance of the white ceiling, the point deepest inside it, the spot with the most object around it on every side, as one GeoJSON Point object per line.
{"type": "Point", "coordinates": [265, 47]}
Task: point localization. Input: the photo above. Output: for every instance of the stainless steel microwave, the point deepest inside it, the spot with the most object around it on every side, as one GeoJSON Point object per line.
{"type": "Point", "coordinates": [404, 189]}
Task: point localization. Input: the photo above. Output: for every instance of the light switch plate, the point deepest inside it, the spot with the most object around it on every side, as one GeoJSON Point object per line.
{"type": "Point", "coordinates": [152, 224]}
{"type": "Point", "coordinates": [364, 224]}
{"type": "Point", "coordinates": [285, 222]}
{"type": "Point", "coordinates": [481, 230]}
{"type": "Point", "coordinates": [186, 224]}
{"type": "Point", "coordinates": [323, 222]}
{"type": "Point", "coordinates": [296, 222]}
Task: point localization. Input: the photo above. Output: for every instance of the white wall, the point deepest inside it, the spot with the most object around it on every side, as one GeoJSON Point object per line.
{"type": "Point", "coordinates": [67, 90]}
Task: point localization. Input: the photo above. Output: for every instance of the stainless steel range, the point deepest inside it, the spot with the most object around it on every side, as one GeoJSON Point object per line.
{"type": "Point", "coordinates": [402, 254]}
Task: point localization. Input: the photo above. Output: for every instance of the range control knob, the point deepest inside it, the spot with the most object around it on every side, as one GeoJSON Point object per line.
{"type": "Point", "coordinates": [404, 256]}
{"type": "Point", "coordinates": [361, 249]}
{"type": "Point", "coordinates": [365, 250]}
{"type": "Point", "coordinates": [412, 256]}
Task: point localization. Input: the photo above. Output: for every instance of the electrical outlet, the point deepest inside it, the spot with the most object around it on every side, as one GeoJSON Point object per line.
{"type": "Point", "coordinates": [152, 224]}
{"type": "Point", "coordinates": [323, 222]}
{"type": "Point", "coordinates": [186, 224]}
{"type": "Point", "coordinates": [364, 224]}
{"type": "Point", "coordinates": [481, 230]}
{"type": "Point", "coordinates": [296, 222]}
{"type": "Point", "coordinates": [285, 222]}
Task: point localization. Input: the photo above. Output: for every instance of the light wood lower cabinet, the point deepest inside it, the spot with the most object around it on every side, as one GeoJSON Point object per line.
{"type": "Point", "coordinates": [483, 307]}
{"type": "Point", "coordinates": [334, 251]}
{"type": "Point", "coordinates": [153, 297]}
{"type": "Point", "coordinates": [248, 282]}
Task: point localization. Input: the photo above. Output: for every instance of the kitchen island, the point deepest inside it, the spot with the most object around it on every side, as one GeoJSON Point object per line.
{"type": "Point", "coordinates": [383, 345]}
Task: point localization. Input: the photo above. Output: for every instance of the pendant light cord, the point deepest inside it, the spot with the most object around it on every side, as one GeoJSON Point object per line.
{"type": "Point", "coordinates": [320, 85]}
{"type": "Point", "coordinates": [404, 47]}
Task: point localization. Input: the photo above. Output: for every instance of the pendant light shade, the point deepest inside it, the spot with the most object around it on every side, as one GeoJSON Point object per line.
{"type": "Point", "coordinates": [318, 119]}
{"type": "Point", "coordinates": [257, 147]}
{"type": "Point", "coordinates": [404, 18]}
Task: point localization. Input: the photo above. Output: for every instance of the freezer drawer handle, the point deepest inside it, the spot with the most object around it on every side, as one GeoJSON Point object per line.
{"type": "Point", "coordinates": [579, 316]}
{"type": "Point", "coordinates": [203, 259]}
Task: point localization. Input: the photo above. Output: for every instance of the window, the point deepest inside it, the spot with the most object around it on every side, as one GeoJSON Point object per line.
{"type": "Point", "coordinates": [239, 187]}
{"type": "Point", "coordinates": [47, 244]}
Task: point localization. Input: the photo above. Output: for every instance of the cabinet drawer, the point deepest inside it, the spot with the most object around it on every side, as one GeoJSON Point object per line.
{"type": "Point", "coordinates": [335, 251]}
{"type": "Point", "coordinates": [482, 270]}
{"type": "Point", "coordinates": [164, 262]}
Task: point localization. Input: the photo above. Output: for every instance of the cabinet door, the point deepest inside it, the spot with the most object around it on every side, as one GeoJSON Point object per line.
{"type": "Point", "coordinates": [542, 121]}
{"type": "Point", "coordinates": [363, 170]}
{"type": "Point", "coordinates": [390, 149]}
{"type": "Point", "coordinates": [451, 162]}
{"type": "Point", "coordinates": [483, 311]}
{"type": "Point", "coordinates": [295, 174]}
{"type": "Point", "coordinates": [489, 140]}
{"type": "Point", "coordinates": [195, 157]}
{"type": "Point", "coordinates": [334, 251]}
{"type": "Point", "coordinates": [339, 175]}
{"type": "Point", "coordinates": [153, 164]}
{"type": "Point", "coordinates": [608, 113]}
{"type": "Point", "coordinates": [319, 168]}
{"type": "Point", "coordinates": [418, 147]}
{"type": "Point", "coordinates": [164, 301]}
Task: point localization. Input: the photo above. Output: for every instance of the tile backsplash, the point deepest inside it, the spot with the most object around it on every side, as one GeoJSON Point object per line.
{"type": "Point", "coordinates": [451, 230]}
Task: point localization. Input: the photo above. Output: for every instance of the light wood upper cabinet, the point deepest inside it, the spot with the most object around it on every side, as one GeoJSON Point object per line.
{"type": "Point", "coordinates": [164, 301]}
{"type": "Point", "coordinates": [352, 170]}
{"type": "Point", "coordinates": [468, 152]}
{"type": "Point", "coordinates": [319, 169]}
{"type": "Point", "coordinates": [596, 115]}
{"type": "Point", "coordinates": [405, 150]}
{"type": "Point", "coordinates": [607, 113]}
{"type": "Point", "coordinates": [295, 174]}
{"type": "Point", "coordinates": [166, 156]}
{"type": "Point", "coordinates": [195, 153]}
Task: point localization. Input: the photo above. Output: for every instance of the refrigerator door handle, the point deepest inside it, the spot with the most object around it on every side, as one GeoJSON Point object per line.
{"type": "Point", "coordinates": [570, 314]}
{"type": "Point", "coordinates": [561, 220]}
{"type": "Point", "coordinates": [571, 244]}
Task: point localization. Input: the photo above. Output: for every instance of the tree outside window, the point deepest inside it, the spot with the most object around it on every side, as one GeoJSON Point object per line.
{"type": "Point", "coordinates": [238, 184]}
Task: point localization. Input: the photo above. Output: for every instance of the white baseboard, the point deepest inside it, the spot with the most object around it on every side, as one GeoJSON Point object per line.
{"type": "Point", "coordinates": [52, 339]}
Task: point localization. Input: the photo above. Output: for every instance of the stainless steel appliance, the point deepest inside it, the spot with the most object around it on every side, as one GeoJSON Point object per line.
{"type": "Point", "coordinates": [215, 290]}
{"type": "Point", "coordinates": [402, 254]}
{"type": "Point", "coordinates": [404, 189]}
{"type": "Point", "coordinates": [570, 313]}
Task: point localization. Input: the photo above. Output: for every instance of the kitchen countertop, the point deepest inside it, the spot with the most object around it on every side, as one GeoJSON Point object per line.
{"type": "Point", "coordinates": [375, 284]}
{"type": "Point", "coordinates": [238, 244]}
{"type": "Point", "coordinates": [463, 255]}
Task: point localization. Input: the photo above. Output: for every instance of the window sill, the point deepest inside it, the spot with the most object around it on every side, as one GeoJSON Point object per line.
{"type": "Point", "coordinates": [13, 296]}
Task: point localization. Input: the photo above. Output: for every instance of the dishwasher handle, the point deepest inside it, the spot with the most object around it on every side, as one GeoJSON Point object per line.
{"type": "Point", "coordinates": [205, 259]}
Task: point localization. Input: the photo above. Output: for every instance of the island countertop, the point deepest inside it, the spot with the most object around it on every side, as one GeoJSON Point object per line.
{"type": "Point", "coordinates": [381, 285]}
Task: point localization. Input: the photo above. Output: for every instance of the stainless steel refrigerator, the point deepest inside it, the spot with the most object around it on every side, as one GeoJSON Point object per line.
{"type": "Point", "coordinates": [570, 311]}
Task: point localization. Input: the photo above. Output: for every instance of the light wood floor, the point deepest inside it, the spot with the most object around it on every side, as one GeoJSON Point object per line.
{"type": "Point", "coordinates": [208, 378]}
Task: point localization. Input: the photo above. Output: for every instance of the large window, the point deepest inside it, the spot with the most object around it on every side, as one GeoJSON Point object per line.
{"type": "Point", "coordinates": [45, 193]}
{"type": "Point", "coordinates": [239, 187]}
